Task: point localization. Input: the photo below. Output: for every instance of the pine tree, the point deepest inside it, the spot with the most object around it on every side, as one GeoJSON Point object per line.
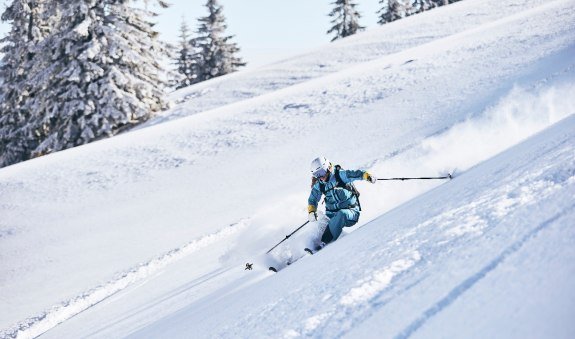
{"type": "Point", "coordinates": [215, 54]}
{"type": "Point", "coordinates": [185, 64]}
{"type": "Point", "coordinates": [345, 19]}
{"type": "Point", "coordinates": [437, 3]}
{"type": "Point", "coordinates": [419, 6]}
{"type": "Point", "coordinates": [392, 10]}
{"type": "Point", "coordinates": [100, 74]}
{"type": "Point", "coordinates": [28, 28]}
{"type": "Point", "coordinates": [397, 9]}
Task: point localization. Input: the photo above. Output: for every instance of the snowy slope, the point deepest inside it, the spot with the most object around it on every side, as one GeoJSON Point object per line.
{"type": "Point", "coordinates": [336, 56]}
{"type": "Point", "coordinates": [488, 254]}
{"type": "Point", "coordinates": [153, 227]}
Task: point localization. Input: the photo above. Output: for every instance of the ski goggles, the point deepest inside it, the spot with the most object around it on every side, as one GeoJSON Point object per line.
{"type": "Point", "coordinates": [320, 172]}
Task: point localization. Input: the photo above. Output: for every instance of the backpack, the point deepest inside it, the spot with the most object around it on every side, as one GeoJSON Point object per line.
{"type": "Point", "coordinates": [350, 187]}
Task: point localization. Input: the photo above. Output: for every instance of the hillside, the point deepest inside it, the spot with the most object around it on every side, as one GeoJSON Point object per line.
{"type": "Point", "coordinates": [147, 233]}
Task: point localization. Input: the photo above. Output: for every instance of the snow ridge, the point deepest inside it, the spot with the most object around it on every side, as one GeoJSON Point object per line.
{"type": "Point", "coordinates": [35, 326]}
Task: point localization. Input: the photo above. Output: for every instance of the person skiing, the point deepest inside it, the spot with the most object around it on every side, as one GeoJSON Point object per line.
{"type": "Point", "coordinates": [341, 198]}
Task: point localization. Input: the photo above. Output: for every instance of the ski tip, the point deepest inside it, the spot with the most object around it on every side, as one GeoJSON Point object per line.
{"type": "Point", "coordinates": [308, 250]}
{"type": "Point", "coordinates": [273, 269]}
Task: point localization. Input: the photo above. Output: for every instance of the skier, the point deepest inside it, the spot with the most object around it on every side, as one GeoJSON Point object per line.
{"type": "Point", "coordinates": [341, 198]}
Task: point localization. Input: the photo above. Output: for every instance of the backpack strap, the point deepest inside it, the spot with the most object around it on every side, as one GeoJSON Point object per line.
{"type": "Point", "coordinates": [339, 183]}
{"type": "Point", "coordinates": [350, 187]}
{"type": "Point", "coordinates": [338, 177]}
{"type": "Point", "coordinates": [338, 180]}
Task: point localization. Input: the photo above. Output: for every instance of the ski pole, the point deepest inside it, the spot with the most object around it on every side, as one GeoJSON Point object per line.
{"type": "Point", "coordinates": [287, 236]}
{"type": "Point", "coordinates": [449, 176]}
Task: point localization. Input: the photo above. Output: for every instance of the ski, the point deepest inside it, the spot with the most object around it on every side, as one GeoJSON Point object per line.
{"type": "Point", "coordinates": [279, 268]}
{"type": "Point", "coordinates": [314, 251]}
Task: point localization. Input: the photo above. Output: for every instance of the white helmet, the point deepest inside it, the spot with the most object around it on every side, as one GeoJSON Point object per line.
{"type": "Point", "coordinates": [319, 167]}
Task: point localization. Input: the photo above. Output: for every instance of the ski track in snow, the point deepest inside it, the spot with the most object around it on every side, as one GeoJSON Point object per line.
{"type": "Point", "coordinates": [35, 326]}
{"type": "Point", "coordinates": [367, 291]}
{"type": "Point", "coordinates": [373, 285]}
{"type": "Point", "coordinates": [474, 279]}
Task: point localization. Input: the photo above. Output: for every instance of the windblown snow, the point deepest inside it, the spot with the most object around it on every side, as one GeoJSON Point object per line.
{"type": "Point", "coordinates": [147, 234]}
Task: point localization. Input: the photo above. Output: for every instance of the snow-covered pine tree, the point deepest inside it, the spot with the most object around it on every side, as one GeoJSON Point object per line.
{"type": "Point", "coordinates": [391, 10]}
{"type": "Point", "coordinates": [396, 9]}
{"type": "Point", "coordinates": [101, 74]}
{"type": "Point", "coordinates": [185, 64]}
{"type": "Point", "coordinates": [437, 3]}
{"type": "Point", "coordinates": [419, 6]}
{"type": "Point", "coordinates": [215, 54]}
{"type": "Point", "coordinates": [345, 19]}
{"type": "Point", "coordinates": [28, 28]}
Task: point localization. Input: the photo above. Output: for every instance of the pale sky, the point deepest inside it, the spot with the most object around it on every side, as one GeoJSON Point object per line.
{"type": "Point", "coordinates": [265, 30]}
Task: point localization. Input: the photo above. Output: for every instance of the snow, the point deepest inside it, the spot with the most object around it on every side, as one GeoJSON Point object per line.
{"type": "Point", "coordinates": [147, 234]}
{"type": "Point", "coordinates": [82, 28]}
{"type": "Point", "coordinates": [375, 284]}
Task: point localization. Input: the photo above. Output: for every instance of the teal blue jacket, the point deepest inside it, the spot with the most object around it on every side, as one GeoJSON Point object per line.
{"type": "Point", "coordinates": [336, 198]}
